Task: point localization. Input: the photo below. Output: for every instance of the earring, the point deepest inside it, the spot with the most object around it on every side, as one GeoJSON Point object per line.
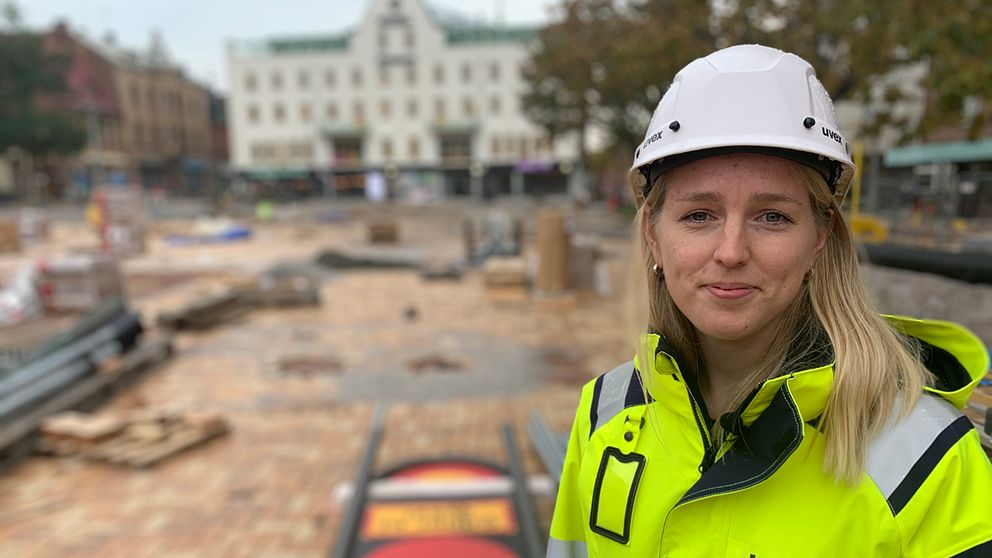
{"type": "Point", "coordinates": [658, 272]}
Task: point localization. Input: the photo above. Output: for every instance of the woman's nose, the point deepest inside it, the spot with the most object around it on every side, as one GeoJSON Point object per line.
{"type": "Point", "coordinates": [732, 248]}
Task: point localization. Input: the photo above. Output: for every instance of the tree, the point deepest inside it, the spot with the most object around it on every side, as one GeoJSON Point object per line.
{"type": "Point", "coordinates": [30, 85]}
{"type": "Point", "coordinates": [607, 62]}
{"type": "Point", "coordinates": [955, 44]}
{"type": "Point", "coordinates": [566, 68]}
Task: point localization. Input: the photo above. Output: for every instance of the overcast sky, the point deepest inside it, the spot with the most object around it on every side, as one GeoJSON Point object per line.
{"type": "Point", "coordinates": [195, 31]}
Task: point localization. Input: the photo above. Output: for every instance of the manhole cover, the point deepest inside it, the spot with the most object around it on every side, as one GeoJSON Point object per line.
{"type": "Point", "coordinates": [435, 363]}
{"type": "Point", "coordinates": [307, 366]}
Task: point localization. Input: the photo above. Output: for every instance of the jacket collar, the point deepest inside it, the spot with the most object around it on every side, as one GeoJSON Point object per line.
{"type": "Point", "coordinates": [956, 357]}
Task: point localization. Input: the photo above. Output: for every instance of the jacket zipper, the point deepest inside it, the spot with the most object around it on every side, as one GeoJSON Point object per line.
{"type": "Point", "coordinates": [709, 452]}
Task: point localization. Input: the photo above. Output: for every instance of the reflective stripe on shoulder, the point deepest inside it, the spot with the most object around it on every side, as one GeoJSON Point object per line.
{"type": "Point", "coordinates": [613, 392]}
{"type": "Point", "coordinates": [904, 454]}
{"type": "Point", "coordinates": [566, 549]}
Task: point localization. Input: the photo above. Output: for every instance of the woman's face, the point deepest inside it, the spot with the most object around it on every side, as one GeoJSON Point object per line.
{"type": "Point", "coordinates": [735, 236]}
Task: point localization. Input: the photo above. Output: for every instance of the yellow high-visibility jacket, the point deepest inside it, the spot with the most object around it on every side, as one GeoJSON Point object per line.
{"type": "Point", "coordinates": [656, 487]}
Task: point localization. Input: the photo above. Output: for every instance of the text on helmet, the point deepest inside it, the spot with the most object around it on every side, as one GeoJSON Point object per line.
{"type": "Point", "coordinates": [651, 139]}
{"type": "Point", "coordinates": [832, 135]}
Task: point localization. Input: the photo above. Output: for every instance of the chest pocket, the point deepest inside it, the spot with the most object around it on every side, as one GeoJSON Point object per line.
{"type": "Point", "coordinates": [613, 494]}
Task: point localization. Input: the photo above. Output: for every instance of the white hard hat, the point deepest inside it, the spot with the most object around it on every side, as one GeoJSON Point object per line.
{"type": "Point", "coordinates": [746, 98]}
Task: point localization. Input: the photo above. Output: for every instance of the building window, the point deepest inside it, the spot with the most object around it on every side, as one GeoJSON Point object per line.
{"type": "Point", "coordinates": [496, 144]}
{"type": "Point", "coordinates": [276, 80]}
{"type": "Point", "coordinates": [278, 113]}
{"type": "Point", "coordinates": [332, 111]}
{"type": "Point", "coordinates": [494, 105]}
{"type": "Point", "coordinates": [356, 77]}
{"type": "Point", "coordinates": [303, 79]}
{"type": "Point", "coordinates": [263, 151]}
{"type": "Point", "coordinates": [347, 151]}
{"type": "Point", "coordinates": [409, 38]}
{"type": "Point", "coordinates": [253, 114]}
{"type": "Point", "coordinates": [135, 96]}
{"type": "Point", "coordinates": [383, 39]}
{"type": "Point", "coordinates": [301, 150]}
{"type": "Point", "coordinates": [359, 111]}
{"type": "Point", "coordinates": [456, 148]}
{"type": "Point", "coordinates": [329, 78]}
{"type": "Point", "coordinates": [468, 107]}
{"type": "Point", "coordinates": [494, 72]}
{"type": "Point", "coordinates": [466, 72]}
{"type": "Point", "coordinates": [385, 109]}
{"type": "Point", "coordinates": [305, 113]}
{"type": "Point", "coordinates": [139, 135]}
{"type": "Point", "coordinates": [411, 75]}
{"type": "Point", "coordinates": [411, 107]}
{"type": "Point", "coordinates": [251, 82]}
{"type": "Point", "coordinates": [439, 108]}
{"type": "Point", "coordinates": [387, 148]}
{"type": "Point", "coordinates": [383, 76]}
{"type": "Point", "coordinates": [438, 74]}
{"type": "Point", "coordinates": [414, 148]}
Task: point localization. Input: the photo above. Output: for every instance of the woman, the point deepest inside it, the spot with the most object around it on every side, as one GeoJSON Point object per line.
{"type": "Point", "coordinates": [770, 412]}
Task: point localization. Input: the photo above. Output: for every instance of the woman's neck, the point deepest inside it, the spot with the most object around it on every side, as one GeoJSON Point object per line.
{"type": "Point", "coordinates": [728, 364]}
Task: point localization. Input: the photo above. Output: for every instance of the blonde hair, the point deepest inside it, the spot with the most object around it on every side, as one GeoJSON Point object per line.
{"type": "Point", "coordinates": [876, 370]}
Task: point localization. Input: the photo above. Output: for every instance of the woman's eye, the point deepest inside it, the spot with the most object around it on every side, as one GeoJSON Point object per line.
{"type": "Point", "coordinates": [697, 217]}
{"type": "Point", "coordinates": [775, 218]}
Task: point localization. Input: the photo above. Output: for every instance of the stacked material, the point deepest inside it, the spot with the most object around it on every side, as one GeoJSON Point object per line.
{"type": "Point", "coordinates": [33, 225]}
{"type": "Point", "coordinates": [140, 439]}
{"type": "Point", "coordinates": [283, 290]}
{"type": "Point", "coordinates": [206, 312]}
{"type": "Point", "coordinates": [383, 230]}
{"type": "Point", "coordinates": [79, 282]}
{"type": "Point", "coordinates": [506, 279]}
{"type": "Point", "coordinates": [120, 218]}
{"type": "Point", "coordinates": [10, 237]}
{"type": "Point", "coordinates": [554, 250]}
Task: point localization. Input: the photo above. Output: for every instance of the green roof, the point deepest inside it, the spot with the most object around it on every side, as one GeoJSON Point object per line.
{"type": "Point", "coordinates": [484, 34]}
{"type": "Point", "coordinates": [944, 152]}
{"type": "Point", "coordinates": [309, 44]}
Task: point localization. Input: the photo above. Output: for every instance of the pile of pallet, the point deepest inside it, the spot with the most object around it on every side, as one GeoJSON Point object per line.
{"type": "Point", "coordinates": [118, 213]}
{"type": "Point", "coordinates": [10, 237]}
{"type": "Point", "coordinates": [206, 312]}
{"type": "Point", "coordinates": [505, 279]}
{"type": "Point", "coordinates": [282, 290]}
{"type": "Point", "coordinates": [79, 282]}
{"type": "Point", "coordinates": [140, 439]}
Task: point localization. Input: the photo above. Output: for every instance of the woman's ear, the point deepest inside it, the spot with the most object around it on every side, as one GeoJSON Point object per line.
{"type": "Point", "coordinates": [649, 235]}
{"type": "Point", "coordinates": [822, 234]}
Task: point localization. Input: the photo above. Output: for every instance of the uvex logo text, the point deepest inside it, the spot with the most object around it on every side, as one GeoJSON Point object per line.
{"type": "Point", "coordinates": [832, 135]}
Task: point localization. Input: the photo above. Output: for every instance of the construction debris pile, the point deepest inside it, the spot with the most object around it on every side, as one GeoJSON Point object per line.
{"type": "Point", "coordinates": [140, 439]}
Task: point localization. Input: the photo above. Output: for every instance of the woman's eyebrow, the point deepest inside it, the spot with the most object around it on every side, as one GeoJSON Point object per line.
{"type": "Point", "coordinates": [700, 196]}
{"type": "Point", "coordinates": [774, 197]}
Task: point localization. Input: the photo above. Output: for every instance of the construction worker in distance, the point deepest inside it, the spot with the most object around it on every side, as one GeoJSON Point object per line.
{"type": "Point", "coordinates": [769, 412]}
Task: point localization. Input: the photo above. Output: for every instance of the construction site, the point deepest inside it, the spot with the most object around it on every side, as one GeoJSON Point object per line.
{"type": "Point", "coordinates": [317, 379]}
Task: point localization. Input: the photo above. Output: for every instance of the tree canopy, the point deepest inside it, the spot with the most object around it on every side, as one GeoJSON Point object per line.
{"type": "Point", "coordinates": [30, 84]}
{"type": "Point", "coordinates": [607, 62]}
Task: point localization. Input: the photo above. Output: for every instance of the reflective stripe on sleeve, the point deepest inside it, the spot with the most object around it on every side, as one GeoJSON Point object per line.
{"type": "Point", "coordinates": [612, 394]}
{"type": "Point", "coordinates": [566, 549]}
{"type": "Point", "coordinates": [905, 453]}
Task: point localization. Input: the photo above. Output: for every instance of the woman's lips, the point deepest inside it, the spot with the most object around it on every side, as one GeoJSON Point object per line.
{"type": "Point", "coordinates": [730, 291]}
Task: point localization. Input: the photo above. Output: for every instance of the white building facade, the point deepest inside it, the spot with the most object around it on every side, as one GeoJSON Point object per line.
{"type": "Point", "coordinates": [433, 106]}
